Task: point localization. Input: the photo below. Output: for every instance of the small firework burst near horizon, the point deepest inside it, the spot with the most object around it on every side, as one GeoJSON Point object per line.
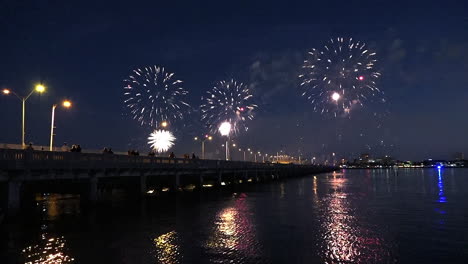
{"type": "Point", "coordinates": [153, 95]}
{"type": "Point", "coordinates": [228, 101]}
{"type": "Point", "coordinates": [340, 76]}
{"type": "Point", "coordinates": [161, 140]}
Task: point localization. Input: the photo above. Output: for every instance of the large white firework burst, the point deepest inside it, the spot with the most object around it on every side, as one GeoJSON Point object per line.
{"type": "Point", "coordinates": [228, 101]}
{"type": "Point", "coordinates": [161, 140]}
{"type": "Point", "coordinates": [154, 95]}
{"type": "Point", "coordinates": [340, 76]}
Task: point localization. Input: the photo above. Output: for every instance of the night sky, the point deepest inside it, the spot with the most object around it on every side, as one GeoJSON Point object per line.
{"type": "Point", "coordinates": [83, 51]}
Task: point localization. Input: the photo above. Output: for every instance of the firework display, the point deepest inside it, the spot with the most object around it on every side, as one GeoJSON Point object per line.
{"type": "Point", "coordinates": [228, 101]}
{"type": "Point", "coordinates": [340, 76]}
{"type": "Point", "coordinates": [153, 95]}
{"type": "Point", "coordinates": [161, 140]}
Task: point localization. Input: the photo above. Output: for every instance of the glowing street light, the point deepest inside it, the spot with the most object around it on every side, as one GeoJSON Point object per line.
{"type": "Point", "coordinates": [207, 137]}
{"type": "Point", "coordinates": [335, 96]}
{"type": "Point", "coordinates": [225, 129]}
{"type": "Point", "coordinates": [65, 104]}
{"type": "Point", "coordinates": [39, 88]}
{"type": "Point", "coordinates": [240, 150]}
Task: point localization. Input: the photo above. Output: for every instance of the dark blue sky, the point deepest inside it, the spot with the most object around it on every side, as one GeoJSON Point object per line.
{"type": "Point", "coordinates": [84, 50]}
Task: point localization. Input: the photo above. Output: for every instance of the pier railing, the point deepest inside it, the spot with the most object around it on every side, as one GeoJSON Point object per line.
{"type": "Point", "coordinates": [12, 159]}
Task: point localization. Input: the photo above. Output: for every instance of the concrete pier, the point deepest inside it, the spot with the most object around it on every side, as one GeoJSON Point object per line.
{"type": "Point", "coordinates": [106, 171]}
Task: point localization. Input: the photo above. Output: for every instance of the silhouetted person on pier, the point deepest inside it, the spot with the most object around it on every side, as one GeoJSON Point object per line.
{"type": "Point", "coordinates": [172, 155]}
{"type": "Point", "coordinates": [105, 151]}
{"type": "Point", "coordinates": [110, 151]}
{"type": "Point", "coordinates": [193, 156]}
{"type": "Point", "coordinates": [65, 147]}
{"type": "Point", "coordinates": [78, 148]}
{"type": "Point", "coordinates": [30, 147]}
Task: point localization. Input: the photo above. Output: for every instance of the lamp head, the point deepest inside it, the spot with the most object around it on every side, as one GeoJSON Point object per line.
{"type": "Point", "coordinates": [225, 128]}
{"type": "Point", "coordinates": [335, 96]}
{"type": "Point", "coordinates": [40, 88]}
{"type": "Point", "coordinates": [66, 104]}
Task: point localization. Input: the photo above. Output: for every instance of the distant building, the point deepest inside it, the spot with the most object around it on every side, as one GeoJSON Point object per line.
{"type": "Point", "coordinates": [458, 156]}
{"type": "Point", "coordinates": [364, 157]}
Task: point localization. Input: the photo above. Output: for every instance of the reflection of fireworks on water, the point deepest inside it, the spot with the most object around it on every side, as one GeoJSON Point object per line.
{"type": "Point", "coordinates": [340, 76]}
{"type": "Point", "coordinates": [228, 101]}
{"type": "Point", "coordinates": [153, 95]}
{"type": "Point", "coordinates": [167, 249]}
{"type": "Point", "coordinates": [161, 140]}
{"type": "Point", "coordinates": [234, 233]}
{"type": "Point", "coordinates": [345, 238]}
{"type": "Point", "coordinates": [48, 250]}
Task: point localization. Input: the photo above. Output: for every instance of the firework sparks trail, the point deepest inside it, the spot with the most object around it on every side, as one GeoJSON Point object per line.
{"type": "Point", "coordinates": [340, 76]}
{"type": "Point", "coordinates": [228, 101]}
{"type": "Point", "coordinates": [153, 95]}
{"type": "Point", "coordinates": [161, 140]}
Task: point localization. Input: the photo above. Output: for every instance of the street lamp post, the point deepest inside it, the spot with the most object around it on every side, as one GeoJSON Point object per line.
{"type": "Point", "coordinates": [66, 104]}
{"type": "Point", "coordinates": [207, 137]}
{"type": "Point", "coordinates": [225, 130]}
{"type": "Point", "coordinates": [40, 89]}
{"type": "Point", "coordinates": [242, 151]}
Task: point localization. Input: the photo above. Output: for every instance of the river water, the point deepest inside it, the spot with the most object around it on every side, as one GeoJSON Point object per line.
{"type": "Point", "coordinates": [354, 216]}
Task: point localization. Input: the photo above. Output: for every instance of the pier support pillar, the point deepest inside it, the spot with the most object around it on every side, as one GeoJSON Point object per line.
{"type": "Point", "coordinates": [93, 188]}
{"type": "Point", "coordinates": [176, 183]}
{"type": "Point", "coordinates": [220, 178]}
{"type": "Point", "coordinates": [143, 185]}
{"type": "Point", "coordinates": [14, 195]}
{"type": "Point", "coordinates": [200, 180]}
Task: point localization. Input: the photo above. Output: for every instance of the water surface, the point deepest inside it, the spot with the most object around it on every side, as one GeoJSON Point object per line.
{"type": "Point", "coordinates": [355, 216]}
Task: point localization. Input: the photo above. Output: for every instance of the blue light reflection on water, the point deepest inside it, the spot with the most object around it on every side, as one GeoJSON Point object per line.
{"type": "Point", "coordinates": [440, 184]}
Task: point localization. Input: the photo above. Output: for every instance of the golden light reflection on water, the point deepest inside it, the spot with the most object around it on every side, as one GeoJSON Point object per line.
{"type": "Point", "coordinates": [345, 239]}
{"type": "Point", "coordinates": [234, 232]}
{"type": "Point", "coordinates": [167, 250]}
{"type": "Point", "coordinates": [314, 187]}
{"type": "Point", "coordinates": [53, 205]}
{"type": "Point", "coordinates": [49, 250]}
